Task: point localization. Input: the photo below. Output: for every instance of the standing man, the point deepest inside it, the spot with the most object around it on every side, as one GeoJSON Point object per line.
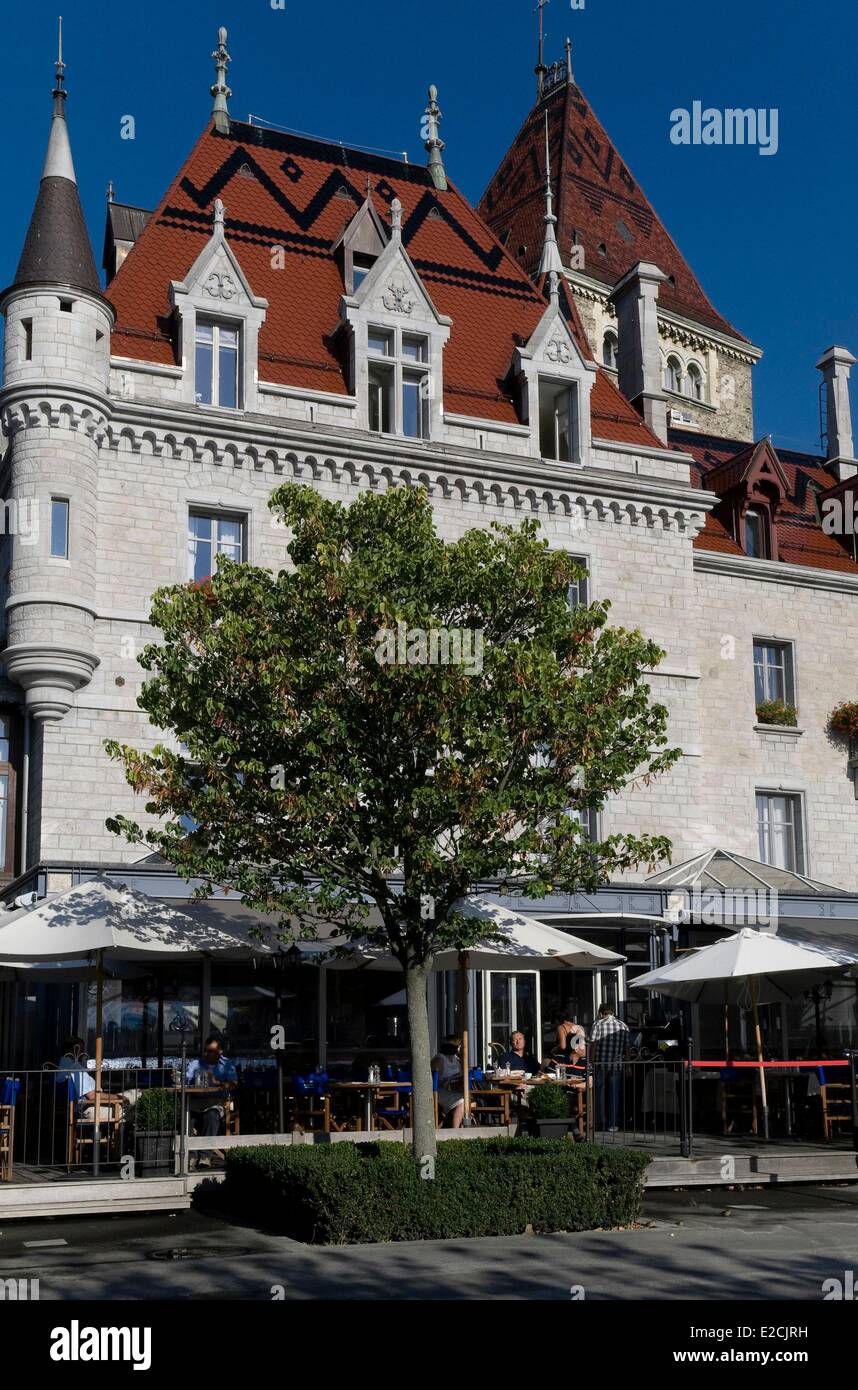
{"type": "Point", "coordinates": [609, 1042]}
{"type": "Point", "coordinates": [216, 1072]}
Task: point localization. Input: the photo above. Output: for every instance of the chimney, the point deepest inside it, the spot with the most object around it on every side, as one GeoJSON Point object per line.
{"type": "Point", "coordinates": [635, 299]}
{"type": "Point", "coordinates": [835, 365]}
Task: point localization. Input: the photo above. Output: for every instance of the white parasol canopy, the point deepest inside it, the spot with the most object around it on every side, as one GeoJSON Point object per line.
{"type": "Point", "coordinates": [523, 944]}
{"type": "Point", "coordinates": [126, 925]}
{"type": "Point", "coordinates": [721, 973]}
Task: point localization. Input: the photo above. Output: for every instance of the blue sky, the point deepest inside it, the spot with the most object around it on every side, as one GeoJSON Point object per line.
{"type": "Point", "coordinates": [771, 238]}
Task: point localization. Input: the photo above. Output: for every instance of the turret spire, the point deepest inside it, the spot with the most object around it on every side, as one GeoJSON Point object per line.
{"type": "Point", "coordinates": [434, 144]}
{"type": "Point", "coordinates": [540, 68]}
{"type": "Point", "coordinates": [57, 249]}
{"type": "Point", "coordinates": [58, 160]}
{"type": "Point", "coordinates": [550, 262]}
{"type": "Point", "coordinates": [220, 91]}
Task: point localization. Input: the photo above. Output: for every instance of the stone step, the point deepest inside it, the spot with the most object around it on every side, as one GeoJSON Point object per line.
{"type": "Point", "coordinates": [754, 1168]}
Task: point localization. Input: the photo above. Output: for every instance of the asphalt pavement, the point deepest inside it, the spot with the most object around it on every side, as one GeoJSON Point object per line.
{"type": "Point", "coordinates": [770, 1243]}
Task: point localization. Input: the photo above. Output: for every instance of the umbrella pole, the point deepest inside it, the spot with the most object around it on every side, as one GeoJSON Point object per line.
{"type": "Point", "coordinates": [759, 1037]}
{"type": "Point", "coordinates": [463, 998]}
{"type": "Point", "coordinates": [99, 1024]}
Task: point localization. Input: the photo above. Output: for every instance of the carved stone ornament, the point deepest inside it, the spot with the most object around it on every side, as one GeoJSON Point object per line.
{"type": "Point", "coordinates": [398, 300]}
{"type": "Point", "coordinates": [558, 351]}
{"type": "Point", "coordinates": [220, 286]}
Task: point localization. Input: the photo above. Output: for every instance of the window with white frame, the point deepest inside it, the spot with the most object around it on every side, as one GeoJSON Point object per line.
{"type": "Point", "coordinates": [216, 364]}
{"type": "Point", "coordinates": [755, 535]}
{"type": "Point", "coordinates": [588, 818]}
{"type": "Point", "coordinates": [774, 677]}
{"type": "Point", "coordinates": [398, 382]}
{"type": "Point", "coordinates": [210, 535]}
{"type": "Point", "coordinates": [558, 420]}
{"type": "Point", "coordinates": [578, 592]}
{"type": "Point", "coordinates": [779, 830]}
{"type": "Point", "coordinates": [673, 376]}
{"type": "Point", "coordinates": [610, 349]}
{"type": "Point", "coordinates": [694, 382]}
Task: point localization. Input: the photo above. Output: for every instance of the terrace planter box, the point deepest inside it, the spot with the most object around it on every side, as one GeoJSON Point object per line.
{"type": "Point", "coordinates": [153, 1150]}
{"type": "Point", "coordinates": [554, 1127]}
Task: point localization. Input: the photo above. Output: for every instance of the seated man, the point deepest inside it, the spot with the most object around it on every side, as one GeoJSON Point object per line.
{"type": "Point", "coordinates": [81, 1081]}
{"type": "Point", "coordinates": [215, 1072]}
{"type": "Point", "coordinates": [518, 1058]}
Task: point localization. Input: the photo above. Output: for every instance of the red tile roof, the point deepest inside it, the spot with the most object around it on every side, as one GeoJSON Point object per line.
{"type": "Point", "coordinates": [599, 205]}
{"type": "Point", "coordinates": [285, 190]}
{"type": "Point", "coordinates": [801, 539]}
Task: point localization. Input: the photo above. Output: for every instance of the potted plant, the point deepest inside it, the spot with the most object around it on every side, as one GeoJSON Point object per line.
{"type": "Point", "coordinates": [844, 720]}
{"type": "Point", "coordinates": [777, 712]}
{"type": "Point", "coordinates": [548, 1105]}
{"type": "Point", "coordinates": [155, 1127]}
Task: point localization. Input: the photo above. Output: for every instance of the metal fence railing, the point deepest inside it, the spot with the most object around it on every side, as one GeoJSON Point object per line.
{"type": "Point", "coordinates": [51, 1126]}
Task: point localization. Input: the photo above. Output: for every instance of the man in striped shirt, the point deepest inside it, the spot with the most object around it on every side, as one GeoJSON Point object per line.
{"type": "Point", "coordinates": [609, 1042]}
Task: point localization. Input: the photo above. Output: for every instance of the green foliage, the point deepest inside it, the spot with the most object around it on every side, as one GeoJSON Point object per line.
{"type": "Point", "coordinates": [156, 1110]}
{"type": "Point", "coordinates": [547, 1101]}
{"type": "Point", "coordinates": [776, 712]}
{"type": "Point", "coordinates": [356, 1193]}
{"type": "Point", "coordinates": [313, 772]}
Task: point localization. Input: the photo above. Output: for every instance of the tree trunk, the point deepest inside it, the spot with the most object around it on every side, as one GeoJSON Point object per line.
{"type": "Point", "coordinates": [423, 1104]}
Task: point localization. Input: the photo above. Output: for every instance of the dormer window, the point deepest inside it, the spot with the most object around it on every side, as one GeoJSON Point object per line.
{"type": "Point", "coordinates": [610, 350]}
{"type": "Point", "coordinates": [361, 266]}
{"type": "Point", "coordinates": [558, 420]}
{"type": "Point", "coordinates": [398, 383]}
{"type": "Point", "coordinates": [216, 364]}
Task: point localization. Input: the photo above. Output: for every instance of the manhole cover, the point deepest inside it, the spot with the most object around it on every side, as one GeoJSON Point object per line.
{"type": "Point", "coordinates": [190, 1252]}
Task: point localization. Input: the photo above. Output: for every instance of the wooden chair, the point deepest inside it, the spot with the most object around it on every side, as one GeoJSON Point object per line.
{"type": "Point", "coordinates": [82, 1131]}
{"type": "Point", "coordinates": [7, 1140]}
{"type": "Point", "coordinates": [489, 1104]}
{"type": "Point", "coordinates": [836, 1100]}
{"type": "Point", "coordinates": [738, 1103]}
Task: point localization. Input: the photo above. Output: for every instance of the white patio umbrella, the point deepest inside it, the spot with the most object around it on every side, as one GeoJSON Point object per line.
{"type": "Point", "coordinates": [749, 968]}
{"type": "Point", "coordinates": [521, 943]}
{"type": "Point", "coordinates": [98, 918]}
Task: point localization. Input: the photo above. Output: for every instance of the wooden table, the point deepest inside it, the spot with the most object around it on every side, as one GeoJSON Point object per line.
{"type": "Point", "coordinates": [519, 1084]}
{"type": "Point", "coordinates": [371, 1088]}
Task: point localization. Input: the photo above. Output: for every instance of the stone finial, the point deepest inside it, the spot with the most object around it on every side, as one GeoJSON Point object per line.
{"type": "Point", "coordinates": [220, 91]}
{"type": "Point", "coordinates": [434, 145]}
{"type": "Point", "coordinates": [219, 214]}
{"type": "Point", "coordinates": [396, 220]}
{"type": "Point", "coordinates": [569, 75]}
{"type": "Point", "coordinates": [550, 262]}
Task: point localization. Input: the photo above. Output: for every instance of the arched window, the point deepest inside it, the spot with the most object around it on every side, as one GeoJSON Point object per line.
{"type": "Point", "coordinates": [695, 382]}
{"type": "Point", "coordinates": [673, 376]}
{"type": "Point", "coordinates": [610, 349]}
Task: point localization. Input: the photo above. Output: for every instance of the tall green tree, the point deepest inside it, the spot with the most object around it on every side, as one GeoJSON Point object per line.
{"type": "Point", "coordinates": [335, 765]}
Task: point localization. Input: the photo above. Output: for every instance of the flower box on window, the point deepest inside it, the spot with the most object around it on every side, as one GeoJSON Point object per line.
{"type": "Point", "coordinates": [777, 712]}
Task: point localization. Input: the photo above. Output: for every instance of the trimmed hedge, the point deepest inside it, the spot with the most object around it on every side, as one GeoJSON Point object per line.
{"type": "Point", "coordinates": [338, 1194]}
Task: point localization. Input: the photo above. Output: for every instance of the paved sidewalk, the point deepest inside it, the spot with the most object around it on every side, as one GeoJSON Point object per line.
{"type": "Point", "coordinates": [771, 1245]}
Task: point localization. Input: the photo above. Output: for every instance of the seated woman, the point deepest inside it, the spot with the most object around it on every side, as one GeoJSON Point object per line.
{"type": "Point", "coordinates": [570, 1041]}
{"type": "Point", "coordinates": [451, 1095]}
